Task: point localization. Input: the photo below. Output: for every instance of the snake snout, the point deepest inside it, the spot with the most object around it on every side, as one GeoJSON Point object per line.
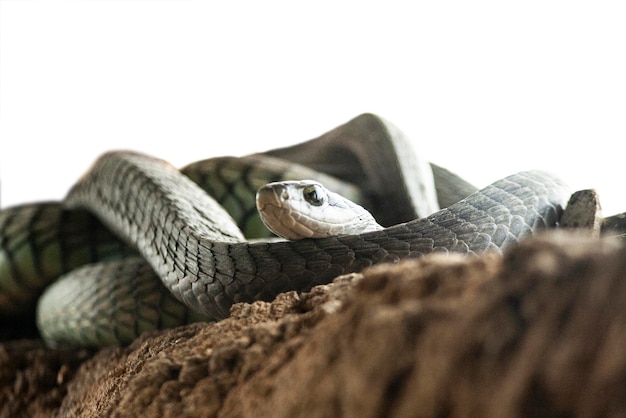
{"type": "Point", "coordinates": [270, 195]}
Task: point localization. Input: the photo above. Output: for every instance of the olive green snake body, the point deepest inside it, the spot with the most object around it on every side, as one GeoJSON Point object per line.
{"type": "Point", "coordinates": [202, 257]}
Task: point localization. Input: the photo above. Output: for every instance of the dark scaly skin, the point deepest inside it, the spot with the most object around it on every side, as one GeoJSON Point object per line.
{"type": "Point", "coordinates": [40, 242]}
{"type": "Point", "coordinates": [130, 300]}
{"type": "Point", "coordinates": [204, 262]}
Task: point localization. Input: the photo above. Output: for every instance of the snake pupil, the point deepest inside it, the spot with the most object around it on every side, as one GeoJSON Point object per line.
{"type": "Point", "coordinates": [314, 195]}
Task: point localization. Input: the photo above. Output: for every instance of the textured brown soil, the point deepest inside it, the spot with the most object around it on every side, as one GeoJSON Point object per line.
{"type": "Point", "coordinates": [538, 332]}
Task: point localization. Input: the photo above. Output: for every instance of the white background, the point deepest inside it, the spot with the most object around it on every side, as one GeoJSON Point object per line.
{"type": "Point", "coordinates": [484, 88]}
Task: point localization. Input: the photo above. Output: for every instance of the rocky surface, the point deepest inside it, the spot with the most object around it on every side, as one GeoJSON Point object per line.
{"type": "Point", "coordinates": [539, 331]}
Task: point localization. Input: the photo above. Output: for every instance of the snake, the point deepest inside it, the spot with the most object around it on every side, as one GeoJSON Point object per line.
{"type": "Point", "coordinates": [181, 256]}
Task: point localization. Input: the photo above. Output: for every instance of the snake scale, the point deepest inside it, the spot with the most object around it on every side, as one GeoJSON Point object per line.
{"type": "Point", "coordinates": [193, 245]}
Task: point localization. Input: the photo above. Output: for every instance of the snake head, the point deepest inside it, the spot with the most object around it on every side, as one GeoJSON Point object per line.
{"type": "Point", "coordinates": [306, 209]}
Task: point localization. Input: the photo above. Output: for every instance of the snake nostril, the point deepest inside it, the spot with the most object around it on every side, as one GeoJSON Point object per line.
{"type": "Point", "coordinates": [284, 195]}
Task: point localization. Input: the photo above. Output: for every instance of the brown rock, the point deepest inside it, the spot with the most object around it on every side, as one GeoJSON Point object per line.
{"type": "Point", "coordinates": [538, 332]}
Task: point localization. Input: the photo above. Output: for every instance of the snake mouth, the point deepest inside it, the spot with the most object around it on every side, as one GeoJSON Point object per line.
{"type": "Point", "coordinates": [279, 220]}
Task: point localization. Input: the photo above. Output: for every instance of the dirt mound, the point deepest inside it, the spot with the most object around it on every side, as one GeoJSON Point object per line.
{"type": "Point", "coordinates": [538, 332]}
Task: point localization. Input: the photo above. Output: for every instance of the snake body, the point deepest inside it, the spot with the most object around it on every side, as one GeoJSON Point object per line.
{"type": "Point", "coordinates": [204, 261]}
{"type": "Point", "coordinates": [40, 241]}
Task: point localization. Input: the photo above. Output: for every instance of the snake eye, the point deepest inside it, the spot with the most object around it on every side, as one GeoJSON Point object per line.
{"type": "Point", "coordinates": [314, 195]}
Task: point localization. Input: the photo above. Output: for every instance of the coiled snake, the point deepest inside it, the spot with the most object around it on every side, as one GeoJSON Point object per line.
{"type": "Point", "coordinates": [203, 259]}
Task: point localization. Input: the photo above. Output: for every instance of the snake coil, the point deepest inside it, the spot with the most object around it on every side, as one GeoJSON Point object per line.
{"type": "Point", "coordinates": [203, 259]}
